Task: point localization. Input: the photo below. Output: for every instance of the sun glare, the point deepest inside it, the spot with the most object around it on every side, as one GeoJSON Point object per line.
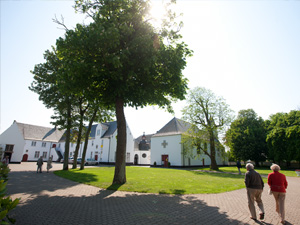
{"type": "Point", "coordinates": [157, 12]}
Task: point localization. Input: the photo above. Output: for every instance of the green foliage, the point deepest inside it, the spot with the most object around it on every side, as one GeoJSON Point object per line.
{"type": "Point", "coordinates": [283, 136]}
{"type": "Point", "coordinates": [247, 137]}
{"type": "Point", "coordinates": [209, 115]}
{"type": "Point", "coordinates": [4, 170]}
{"type": "Point", "coordinates": [6, 203]}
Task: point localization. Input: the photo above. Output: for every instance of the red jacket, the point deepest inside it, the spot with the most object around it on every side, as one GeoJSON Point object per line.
{"type": "Point", "coordinates": [277, 182]}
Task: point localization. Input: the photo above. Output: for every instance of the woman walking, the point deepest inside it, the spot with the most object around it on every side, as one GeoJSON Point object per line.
{"type": "Point", "coordinates": [278, 184]}
{"type": "Point", "coordinates": [49, 164]}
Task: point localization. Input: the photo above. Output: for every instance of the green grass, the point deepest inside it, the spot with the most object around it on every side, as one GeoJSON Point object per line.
{"type": "Point", "coordinates": [157, 180]}
{"type": "Point", "coordinates": [165, 181]}
{"type": "Point", "coordinates": [261, 170]}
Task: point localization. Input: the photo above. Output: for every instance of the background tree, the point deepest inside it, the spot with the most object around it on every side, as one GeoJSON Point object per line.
{"type": "Point", "coordinates": [247, 137]}
{"type": "Point", "coordinates": [209, 115]}
{"type": "Point", "coordinates": [136, 64]}
{"type": "Point", "coordinates": [283, 136]}
{"type": "Point", "coordinates": [64, 83]}
{"type": "Point", "coordinates": [50, 83]}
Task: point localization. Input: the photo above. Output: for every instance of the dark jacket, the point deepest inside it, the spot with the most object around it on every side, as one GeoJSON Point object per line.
{"type": "Point", "coordinates": [253, 180]}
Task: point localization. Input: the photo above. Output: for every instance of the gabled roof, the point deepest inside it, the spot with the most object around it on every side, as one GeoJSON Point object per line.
{"type": "Point", "coordinates": [112, 127]}
{"type": "Point", "coordinates": [140, 138]}
{"type": "Point", "coordinates": [32, 132]}
{"type": "Point", "coordinates": [175, 126]}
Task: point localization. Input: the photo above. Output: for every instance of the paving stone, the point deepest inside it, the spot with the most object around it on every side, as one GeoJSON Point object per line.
{"type": "Point", "coordinates": [48, 199]}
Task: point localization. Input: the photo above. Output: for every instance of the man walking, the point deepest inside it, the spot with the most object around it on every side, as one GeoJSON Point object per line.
{"type": "Point", "coordinates": [39, 164]}
{"type": "Point", "coordinates": [254, 185]}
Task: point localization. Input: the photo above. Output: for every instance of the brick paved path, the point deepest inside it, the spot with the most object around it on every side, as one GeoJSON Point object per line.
{"type": "Point", "coordinates": [48, 199]}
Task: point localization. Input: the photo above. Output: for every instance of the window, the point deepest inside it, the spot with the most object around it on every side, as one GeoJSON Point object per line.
{"type": "Point", "coordinates": [59, 145]}
{"type": "Point", "coordinates": [44, 144]}
{"type": "Point", "coordinates": [92, 143]}
{"type": "Point", "coordinates": [44, 155]}
{"type": "Point", "coordinates": [9, 148]}
{"type": "Point", "coordinates": [72, 144]}
{"type": "Point", "coordinates": [98, 132]}
{"type": "Point", "coordinates": [128, 157]}
{"type": "Point", "coordinates": [36, 154]}
{"type": "Point", "coordinates": [33, 143]}
{"type": "Point", "coordinates": [96, 146]}
{"type": "Point", "coordinates": [144, 155]}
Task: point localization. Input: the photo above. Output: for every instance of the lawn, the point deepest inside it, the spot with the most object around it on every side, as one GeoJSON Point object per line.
{"type": "Point", "coordinates": [261, 170]}
{"type": "Point", "coordinates": [158, 180]}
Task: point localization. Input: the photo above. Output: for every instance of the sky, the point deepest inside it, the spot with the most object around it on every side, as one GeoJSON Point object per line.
{"type": "Point", "coordinates": [246, 51]}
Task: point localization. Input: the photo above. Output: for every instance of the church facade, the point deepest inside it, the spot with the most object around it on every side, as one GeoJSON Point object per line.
{"type": "Point", "coordinates": [167, 148]}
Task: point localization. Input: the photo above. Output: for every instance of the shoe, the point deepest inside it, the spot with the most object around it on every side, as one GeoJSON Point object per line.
{"type": "Point", "coordinates": [282, 221]}
{"type": "Point", "coordinates": [252, 218]}
{"type": "Point", "coordinates": [261, 216]}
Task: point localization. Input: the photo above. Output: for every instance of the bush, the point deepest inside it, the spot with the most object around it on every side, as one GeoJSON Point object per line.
{"type": "Point", "coordinates": [154, 164]}
{"type": "Point", "coordinates": [6, 203]}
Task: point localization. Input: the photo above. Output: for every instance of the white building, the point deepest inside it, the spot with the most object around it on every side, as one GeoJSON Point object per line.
{"type": "Point", "coordinates": [142, 150]}
{"type": "Point", "coordinates": [166, 147]}
{"type": "Point", "coordinates": [24, 142]}
{"type": "Point", "coordinates": [102, 144]}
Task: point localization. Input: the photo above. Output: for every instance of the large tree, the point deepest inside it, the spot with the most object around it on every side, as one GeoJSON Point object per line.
{"type": "Point", "coordinates": [136, 64]}
{"type": "Point", "coordinates": [247, 137]}
{"type": "Point", "coordinates": [209, 115]}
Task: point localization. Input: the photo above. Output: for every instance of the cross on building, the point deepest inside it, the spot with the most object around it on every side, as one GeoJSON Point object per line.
{"type": "Point", "coordinates": [164, 143]}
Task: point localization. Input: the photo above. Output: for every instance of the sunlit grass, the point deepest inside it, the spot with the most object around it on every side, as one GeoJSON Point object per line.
{"type": "Point", "coordinates": [158, 180]}
{"type": "Point", "coordinates": [261, 170]}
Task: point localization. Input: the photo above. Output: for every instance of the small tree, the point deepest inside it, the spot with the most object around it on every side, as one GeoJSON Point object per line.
{"type": "Point", "coordinates": [209, 115]}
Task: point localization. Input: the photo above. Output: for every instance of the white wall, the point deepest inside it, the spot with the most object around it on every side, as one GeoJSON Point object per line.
{"type": "Point", "coordinates": [141, 160]}
{"type": "Point", "coordinates": [173, 149]}
{"type": "Point", "coordinates": [12, 136]}
{"type": "Point", "coordinates": [30, 150]}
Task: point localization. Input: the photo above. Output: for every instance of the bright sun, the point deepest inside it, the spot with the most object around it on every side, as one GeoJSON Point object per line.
{"type": "Point", "coordinates": [157, 12]}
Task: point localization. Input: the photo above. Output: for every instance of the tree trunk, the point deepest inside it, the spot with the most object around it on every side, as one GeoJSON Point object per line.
{"type": "Point", "coordinates": [78, 143]}
{"type": "Point", "coordinates": [87, 135]}
{"type": "Point", "coordinates": [67, 144]}
{"type": "Point", "coordinates": [213, 164]}
{"type": "Point", "coordinates": [120, 166]}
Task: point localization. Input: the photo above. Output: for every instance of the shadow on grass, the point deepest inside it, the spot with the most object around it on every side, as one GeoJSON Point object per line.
{"type": "Point", "coordinates": [75, 176]}
{"type": "Point", "coordinates": [114, 187]}
{"type": "Point", "coordinates": [217, 174]}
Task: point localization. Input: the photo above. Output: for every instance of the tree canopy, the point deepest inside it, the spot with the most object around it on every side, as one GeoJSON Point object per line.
{"type": "Point", "coordinates": [134, 63]}
{"type": "Point", "coordinates": [283, 136]}
{"type": "Point", "coordinates": [209, 115]}
{"type": "Point", "coordinates": [247, 137]}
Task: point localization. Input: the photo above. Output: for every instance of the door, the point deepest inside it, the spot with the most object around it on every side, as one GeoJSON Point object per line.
{"type": "Point", "coordinates": [136, 159]}
{"type": "Point", "coordinates": [25, 158]}
{"type": "Point", "coordinates": [165, 160]}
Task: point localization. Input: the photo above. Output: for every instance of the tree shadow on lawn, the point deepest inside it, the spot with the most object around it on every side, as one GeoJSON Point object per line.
{"type": "Point", "coordinates": [109, 207]}
{"type": "Point", "coordinates": [218, 174]}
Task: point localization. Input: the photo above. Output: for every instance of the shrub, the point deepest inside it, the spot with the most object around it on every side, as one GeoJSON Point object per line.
{"type": "Point", "coordinates": [6, 203]}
